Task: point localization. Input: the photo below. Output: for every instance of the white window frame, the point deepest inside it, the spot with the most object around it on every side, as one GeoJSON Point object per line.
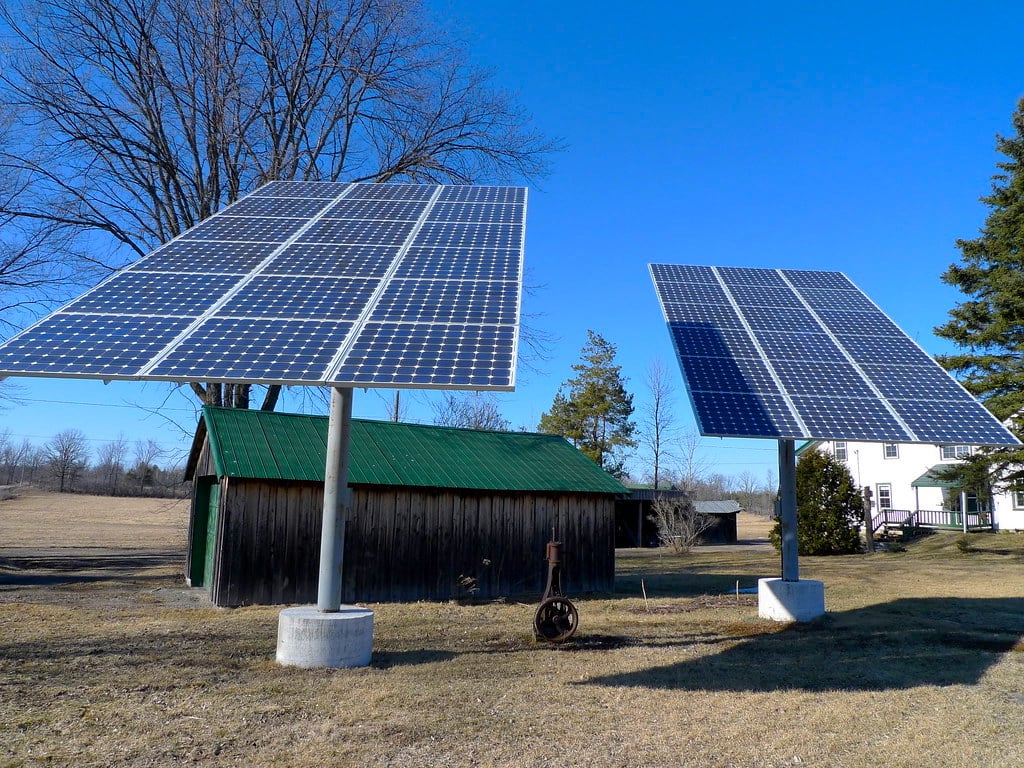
{"type": "Point", "coordinates": [1018, 498]}
{"type": "Point", "coordinates": [840, 450]}
{"type": "Point", "coordinates": [955, 451]}
{"type": "Point", "coordinates": [895, 450]}
{"type": "Point", "coordinates": [888, 495]}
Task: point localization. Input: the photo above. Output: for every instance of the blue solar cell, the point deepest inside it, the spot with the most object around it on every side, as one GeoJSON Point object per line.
{"type": "Point", "coordinates": [438, 301]}
{"type": "Point", "coordinates": [490, 213]}
{"type": "Point", "coordinates": [460, 264]}
{"type": "Point", "coordinates": [213, 256]}
{"type": "Point", "coordinates": [809, 278]}
{"type": "Point", "coordinates": [694, 293]}
{"type": "Point", "coordinates": [764, 296]}
{"type": "Point", "coordinates": [815, 377]}
{"type": "Point", "coordinates": [876, 349]}
{"type": "Point", "coordinates": [744, 276]}
{"type": "Point", "coordinates": [849, 418]}
{"type": "Point", "coordinates": [858, 323]}
{"type": "Point", "coordinates": [431, 356]}
{"type": "Point", "coordinates": [251, 228]}
{"type": "Point", "coordinates": [709, 315]}
{"type": "Point", "coordinates": [330, 259]}
{"type": "Point", "coordinates": [704, 341]}
{"type": "Point", "coordinates": [475, 235]}
{"type": "Point", "coordinates": [727, 414]}
{"type": "Point", "coordinates": [149, 293]}
{"type": "Point", "coordinates": [789, 319]}
{"type": "Point", "coordinates": [96, 346]}
{"type": "Point", "coordinates": [926, 382]}
{"type": "Point", "coordinates": [668, 274]}
{"type": "Point", "coordinates": [850, 301]}
{"type": "Point", "coordinates": [942, 421]}
{"type": "Point", "coordinates": [227, 349]}
{"type": "Point", "coordinates": [323, 190]}
{"type": "Point", "coordinates": [738, 375]}
{"type": "Point", "coordinates": [387, 210]}
{"type": "Point", "coordinates": [354, 231]}
{"type": "Point", "coordinates": [305, 298]}
{"type": "Point", "coordinates": [799, 346]}
{"type": "Point", "coordinates": [483, 194]}
{"type": "Point", "coordinates": [391, 192]}
{"type": "Point", "coordinates": [280, 207]}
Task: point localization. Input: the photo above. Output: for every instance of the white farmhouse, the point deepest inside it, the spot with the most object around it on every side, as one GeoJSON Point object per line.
{"type": "Point", "coordinates": [902, 479]}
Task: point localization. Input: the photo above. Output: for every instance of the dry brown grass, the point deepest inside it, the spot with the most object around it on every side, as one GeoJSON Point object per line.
{"type": "Point", "coordinates": [920, 662]}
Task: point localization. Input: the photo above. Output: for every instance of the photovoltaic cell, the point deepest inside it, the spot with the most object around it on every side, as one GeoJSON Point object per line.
{"type": "Point", "coordinates": [308, 283]}
{"type": "Point", "coordinates": [793, 354]}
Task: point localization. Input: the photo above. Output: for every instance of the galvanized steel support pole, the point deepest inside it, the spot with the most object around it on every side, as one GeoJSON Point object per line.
{"type": "Point", "coordinates": [337, 501]}
{"type": "Point", "coordinates": [787, 510]}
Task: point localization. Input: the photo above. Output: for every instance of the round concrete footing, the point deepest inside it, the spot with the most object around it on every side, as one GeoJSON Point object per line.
{"type": "Point", "coordinates": [307, 637]}
{"type": "Point", "coordinates": [780, 600]}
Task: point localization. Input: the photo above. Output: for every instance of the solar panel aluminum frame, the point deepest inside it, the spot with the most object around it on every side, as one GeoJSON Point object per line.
{"type": "Point", "coordinates": [749, 374]}
{"type": "Point", "coordinates": [149, 340]}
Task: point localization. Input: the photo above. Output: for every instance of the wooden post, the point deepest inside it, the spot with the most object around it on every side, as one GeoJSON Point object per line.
{"type": "Point", "coordinates": [869, 533]}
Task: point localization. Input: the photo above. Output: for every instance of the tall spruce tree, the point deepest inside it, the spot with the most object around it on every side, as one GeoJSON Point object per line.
{"type": "Point", "coordinates": [593, 409]}
{"type": "Point", "coordinates": [828, 507]}
{"type": "Point", "coordinates": [989, 324]}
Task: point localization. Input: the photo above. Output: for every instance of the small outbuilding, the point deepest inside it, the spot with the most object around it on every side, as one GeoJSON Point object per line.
{"type": "Point", "coordinates": [437, 513]}
{"type": "Point", "coordinates": [634, 518]}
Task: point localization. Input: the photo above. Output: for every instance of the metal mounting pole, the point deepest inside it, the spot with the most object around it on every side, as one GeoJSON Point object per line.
{"type": "Point", "coordinates": [787, 510]}
{"type": "Point", "coordinates": [337, 501]}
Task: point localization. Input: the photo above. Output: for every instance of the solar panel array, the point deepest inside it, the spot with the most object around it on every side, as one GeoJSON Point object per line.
{"type": "Point", "coordinates": [795, 354]}
{"type": "Point", "coordinates": [308, 283]}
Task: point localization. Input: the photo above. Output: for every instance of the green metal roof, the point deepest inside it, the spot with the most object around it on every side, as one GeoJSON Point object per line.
{"type": "Point", "coordinates": [283, 446]}
{"type": "Point", "coordinates": [933, 478]}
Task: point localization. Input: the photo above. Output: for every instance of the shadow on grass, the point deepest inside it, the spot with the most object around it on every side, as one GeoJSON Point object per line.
{"type": "Point", "coordinates": [80, 566]}
{"type": "Point", "coordinates": [896, 645]}
{"type": "Point", "coordinates": [672, 582]}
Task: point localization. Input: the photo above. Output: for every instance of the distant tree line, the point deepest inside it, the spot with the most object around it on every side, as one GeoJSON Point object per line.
{"type": "Point", "coordinates": [66, 464]}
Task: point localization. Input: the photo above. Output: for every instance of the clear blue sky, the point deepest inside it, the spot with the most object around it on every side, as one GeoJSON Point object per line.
{"type": "Point", "coordinates": [799, 135]}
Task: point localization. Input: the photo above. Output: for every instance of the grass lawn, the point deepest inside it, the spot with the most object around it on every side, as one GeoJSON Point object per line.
{"type": "Point", "coordinates": [919, 662]}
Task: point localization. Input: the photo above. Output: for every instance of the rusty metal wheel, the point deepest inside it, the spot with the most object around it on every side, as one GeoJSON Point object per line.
{"type": "Point", "coordinates": [556, 620]}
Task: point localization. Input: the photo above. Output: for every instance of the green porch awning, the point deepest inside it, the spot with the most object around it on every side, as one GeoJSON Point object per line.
{"type": "Point", "coordinates": [933, 478]}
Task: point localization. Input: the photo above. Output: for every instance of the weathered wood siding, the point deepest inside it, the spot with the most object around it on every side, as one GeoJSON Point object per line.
{"type": "Point", "coordinates": [408, 543]}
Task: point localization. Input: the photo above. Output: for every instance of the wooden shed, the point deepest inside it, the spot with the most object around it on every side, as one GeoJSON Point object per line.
{"type": "Point", "coordinates": [634, 521]}
{"type": "Point", "coordinates": [437, 513]}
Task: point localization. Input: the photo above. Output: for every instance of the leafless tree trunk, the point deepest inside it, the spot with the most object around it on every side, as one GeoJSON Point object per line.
{"type": "Point", "coordinates": [140, 118]}
{"type": "Point", "coordinates": [657, 425]}
{"type": "Point", "coordinates": [110, 463]}
{"type": "Point", "coordinates": [67, 455]}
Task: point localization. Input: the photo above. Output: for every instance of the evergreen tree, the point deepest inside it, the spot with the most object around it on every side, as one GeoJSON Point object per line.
{"type": "Point", "coordinates": [989, 325]}
{"type": "Point", "coordinates": [828, 507]}
{"type": "Point", "coordinates": [593, 409]}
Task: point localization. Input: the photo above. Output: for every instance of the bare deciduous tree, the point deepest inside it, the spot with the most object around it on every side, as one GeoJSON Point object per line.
{"type": "Point", "coordinates": [679, 524]}
{"type": "Point", "coordinates": [110, 463]}
{"type": "Point", "coordinates": [657, 420]}
{"type": "Point", "coordinates": [473, 410]}
{"type": "Point", "coordinates": [140, 118]}
{"type": "Point", "coordinates": [67, 454]}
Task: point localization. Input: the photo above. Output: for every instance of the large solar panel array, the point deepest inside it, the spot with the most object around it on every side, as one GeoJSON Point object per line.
{"type": "Point", "coordinates": [308, 283]}
{"type": "Point", "coordinates": [795, 354]}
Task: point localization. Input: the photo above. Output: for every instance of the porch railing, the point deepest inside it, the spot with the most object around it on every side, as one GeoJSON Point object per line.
{"type": "Point", "coordinates": [930, 518]}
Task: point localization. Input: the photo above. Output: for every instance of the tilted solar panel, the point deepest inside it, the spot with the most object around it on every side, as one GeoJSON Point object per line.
{"type": "Point", "coordinates": [800, 354]}
{"type": "Point", "coordinates": [308, 283]}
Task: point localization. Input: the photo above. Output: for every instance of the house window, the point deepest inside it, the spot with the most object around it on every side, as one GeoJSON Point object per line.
{"type": "Point", "coordinates": [956, 451]}
{"type": "Point", "coordinates": [883, 494]}
{"type": "Point", "coordinates": [1018, 499]}
{"type": "Point", "coordinates": [840, 451]}
{"type": "Point", "coordinates": [890, 450]}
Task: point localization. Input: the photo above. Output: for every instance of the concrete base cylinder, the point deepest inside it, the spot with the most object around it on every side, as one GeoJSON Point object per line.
{"type": "Point", "coordinates": [780, 600]}
{"type": "Point", "coordinates": [307, 637]}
